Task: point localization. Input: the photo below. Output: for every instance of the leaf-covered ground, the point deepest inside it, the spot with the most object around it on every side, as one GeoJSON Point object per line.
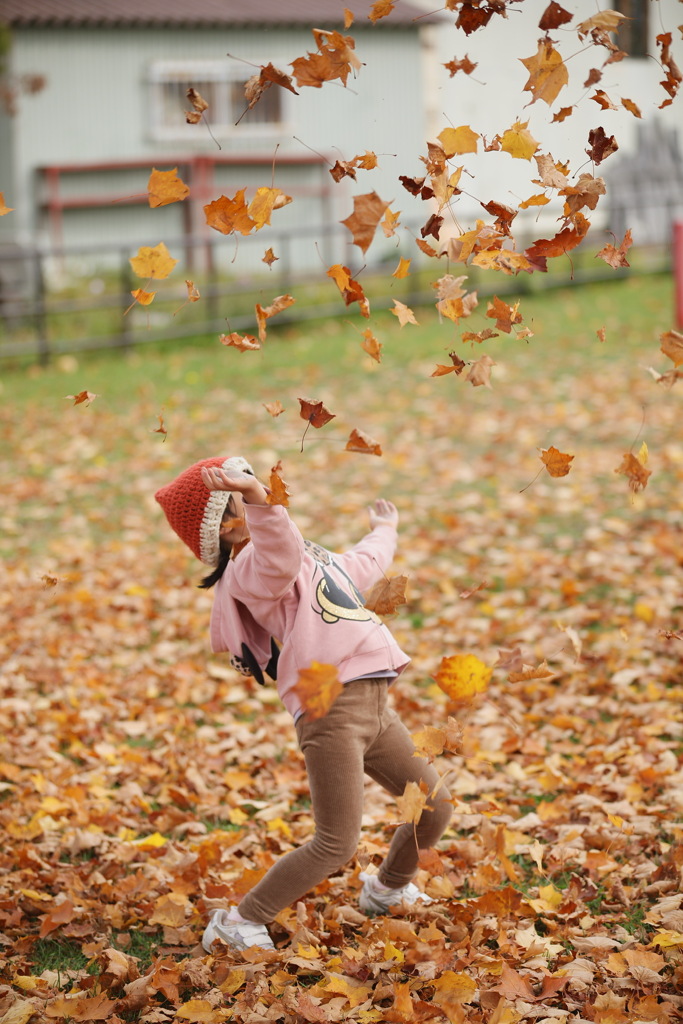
{"type": "Point", "coordinates": [142, 782]}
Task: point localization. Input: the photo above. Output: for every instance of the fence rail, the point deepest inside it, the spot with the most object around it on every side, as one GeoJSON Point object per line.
{"type": "Point", "coordinates": [79, 298]}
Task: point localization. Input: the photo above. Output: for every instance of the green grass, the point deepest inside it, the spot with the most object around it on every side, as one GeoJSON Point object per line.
{"type": "Point", "coordinates": [58, 955]}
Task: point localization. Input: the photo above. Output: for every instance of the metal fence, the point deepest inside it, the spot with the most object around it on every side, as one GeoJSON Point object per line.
{"type": "Point", "coordinates": [76, 299]}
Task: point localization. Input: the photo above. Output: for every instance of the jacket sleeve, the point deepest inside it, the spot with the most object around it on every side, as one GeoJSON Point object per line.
{"type": "Point", "coordinates": [370, 558]}
{"type": "Point", "coordinates": [271, 563]}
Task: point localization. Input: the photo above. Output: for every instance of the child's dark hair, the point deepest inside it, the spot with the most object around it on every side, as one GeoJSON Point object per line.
{"type": "Point", "coordinates": [214, 576]}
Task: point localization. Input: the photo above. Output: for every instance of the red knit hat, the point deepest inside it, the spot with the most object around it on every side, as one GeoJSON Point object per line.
{"type": "Point", "coordinates": [194, 511]}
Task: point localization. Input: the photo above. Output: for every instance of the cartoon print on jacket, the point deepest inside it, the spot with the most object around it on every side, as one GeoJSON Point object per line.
{"type": "Point", "coordinates": [334, 602]}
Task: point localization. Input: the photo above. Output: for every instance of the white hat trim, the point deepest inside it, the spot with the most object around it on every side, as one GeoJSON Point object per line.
{"type": "Point", "coordinates": [210, 526]}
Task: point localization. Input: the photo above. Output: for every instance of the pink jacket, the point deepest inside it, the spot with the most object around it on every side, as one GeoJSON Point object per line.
{"type": "Point", "coordinates": [308, 599]}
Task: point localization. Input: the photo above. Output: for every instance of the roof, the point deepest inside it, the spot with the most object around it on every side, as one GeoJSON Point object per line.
{"type": "Point", "coordinates": [199, 13]}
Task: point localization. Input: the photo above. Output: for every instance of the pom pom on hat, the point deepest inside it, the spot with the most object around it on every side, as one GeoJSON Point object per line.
{"type": "Point", "coordinates": [195, 512]}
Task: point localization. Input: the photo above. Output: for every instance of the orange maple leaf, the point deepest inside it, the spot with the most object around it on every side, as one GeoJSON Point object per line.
{"type": "Point", "coordinates": [371, 345]}
{"type": "Point", "coordinates": [555, 461]}
{"type": "Point", "coordinates": [227, 215]}
{"type": "Point", "coordinates": [166, 187]}
{"type": "Point", "coordinates": [463, 64]}
{"type": "Point", "coordinates": [3, 208]}
{"type": "Point", "coordinates": [403, 313]}
{"type": "Point", "coordinates": [265, 313]}
{"type": "Point", "coordinates": [636, 472]}
{"type": "Point", "coordinates": [504, 315]}
{"type": "Point", "coordinates": [368, 210]}
{"type": "Point", "coordinates": [386, 595]}
{"type": "Point", "coordinates": [547, 73]}
{"type": "Point", "coordinates": [278, 490]}
{"type": "Point", "coordinates": [360, 442]}
{"type": "Point", "coordinates": [402, 269]}
{"type": "Point", "coordinates": [457, 366]}
{"type": "Point", "coordinates": [616, 257]}
{"type": "Point", "coordinates": [153, 262]}
{"type": "Point", "coordinates": [380, 9]}
{"type": "Point", "coordinates": [274, 408]}
{"type": "Point", "coordinates": [269, 257]}
{"type": "Point", "coordinates": [83, 396]}
{"type": "Point", "coordinates": [318, 688]}
{"type": "Point", "coordinates": [632, 107]}
{"type": "Point", "coordinates": [142, 297]}
{"type": "Point", "coordinates": [264, 202]}
{"type": "Point", "coordinates": [350, 289]}
{"type": "Point", "coordinates": [335, 59]}
{"type": "Point", "coordinates": [267, 76]}
{"type": "Point", "coordinates": [242, 342]}
{"type": "Point", "coordinates": [161, 429]}
{"type": "Point", "coordinates": [411, 803]}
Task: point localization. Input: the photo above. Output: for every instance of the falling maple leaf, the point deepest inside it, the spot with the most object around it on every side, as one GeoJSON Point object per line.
{"type": "Point", "coordinates": [402, 269]}
{"type": "Point", "coordinates": [411, 803]}
{"type": "Point", "coordinates": [632, 107]}
{"type": "Point", "coordinates": [457, 366]}
{"type": "Point", "coordinates": [673, 77]}
{"type": "Point", "coordinates": [518, 141]}
{"type": "Point", "coordinates": [601, 333]}
{"type": "Point", "coordinates": [161, 429]}
{"type": "Point", "coordinates": [479, 336]}
{"type": "Point", "coordinates": [462, 676]}
{"type": "Point", "coordinates": [403, 313]}
{"type": "Point", "coordinates": [616, 257]}
{"type": "Point", "coordinates": [605, 21]}
{"type": "Point", "coordinates": [555, 461]}
{"type": "Point", "coordinates": [634, 469]}
{"type": "Point", "coordinates": [269, 257]}
{"type": "Point", "coordinates": [83, 396]}
{"type": "Point", "coordinates": [504, 315]}
{"type": "Point", "coordinates": [371, 345]}
{"type": "Point", "coordinates": [265, 313]}
{"type": "Point", "coordinates": [227, 215]}
{"type": "Point", "coordinates": [267, 76]}
{"type": "Point", "coordinates": [463, 64]}
{"type": "Point", "coordinates": [458, 140]}
{"type": "Point", "coordinates": [528, 672]}
{"type": "Point", "coordinates": [153, 263]}
{"type": "Point", "coordinates": [360, 442]}
{"type": "Point", "coordinates": [242, 342]}
{"type": "Point", "coordinates": [314, 412]}
{"type": "Point", "coordinates": [562, 114]}
{"type": "Point", "coordinates": [336, 59]}
{"type": "Point", "coordinates": [537, 200]}
{"type": "Point", "coordinates": [264, 202]}
{"type": "Point", "coordinates": [350, 289]}
{"type": "Point", "coordinates": [601, 145]}
{"type": "Point", "coordinates": [278, 493]}
{"type": "Point", "coordinates": [368, 210]}
{"type": "Point", "coordinates": [199, 105]}
{"type": "Point", "coordinates": [192, 295]}
{"type": "Point", "coordinates": [389, 223]}
{"type": "Point", "coordinates": [380, 9]}
{"type": "Point", "coordinates": [547, 73]}
{"type": "Point", "coordinates": [141, 297]}
{"type": "Point", "coordinates": [672, 346]}
{"type": "Point", "coordinates": [274, 409]}
{"type": "Point", "coordinates": [166, 187]}
{"type": "Point", "coordinates": [3, 208]}
{"type": "Point", "coordinates": [480, 372]}
{"type": "Point", "coordinates": [386, 595]}
{"type": "Point", "coordinates": [553, 17]}
{"type": "Point", "coordinates": [318, 688]}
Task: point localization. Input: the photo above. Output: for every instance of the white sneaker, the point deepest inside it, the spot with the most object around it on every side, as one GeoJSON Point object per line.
{"type": "Point", "coordinates": [237, 934]}
{"type": "Point", "coordinates": [375, 900]}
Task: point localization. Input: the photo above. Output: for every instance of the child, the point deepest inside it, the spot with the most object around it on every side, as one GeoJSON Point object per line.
{"type": "Point", "coordinates": [272, 585]}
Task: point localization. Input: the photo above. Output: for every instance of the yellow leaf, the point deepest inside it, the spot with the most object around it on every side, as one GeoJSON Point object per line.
{"type": "Point", "coordinates": [402, 268]}
{"type": "Point", "coordinates": [151, 842]}
{"type": "Point", "coordinates": [547, 72]}
{"type": "Point", "coordinates": [142, 297]}
{"type": "Point", "coordinates": [3, 208]}
{"type": "Point", "coordinates": [458, 140]}
{"type": "Point", "coordinates": [317, 688]}
{"type": "Point", "coordinates": [264, 202]}
{"type": "Point", "coordinates": [278, 825]}
{"type": "Point", "coordinates": [153, 262]}
{"type": "Point", "coordinates": [411, 803]}
{"type": "Point", "coordinates": [519, 142]}
{"type": "Point", "coordinates": [166, 187]}
{"type": "Point", "coordinates": [237, 816]}
{"type": "Point", "coordinates": [461, 676]}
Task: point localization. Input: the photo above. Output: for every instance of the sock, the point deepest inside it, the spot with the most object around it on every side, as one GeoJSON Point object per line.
{"type": "Point", "coordinates": [234, 916]}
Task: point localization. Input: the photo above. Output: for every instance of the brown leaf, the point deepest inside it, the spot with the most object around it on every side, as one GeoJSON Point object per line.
{"type": "Point", "coordinates": [83, 396]}
{"type": "Point", "coordinates": [371, 345]}
{"type": "Point", "coordinates": [274, 408]}
{"type": "Point", "coordinates": [269, 257]}
{"type": "Point", "coordinates": [199, 105]}
{"type": "Point", "coordinates": [335, 59]}
{"type": "Point", "coordinates": [632, 107]}
{"type": "Point", "coordinates": [672, 79]}
{"type": "Point", "coordinates": [529, 672]}
{"type": "Point", "coordinates": [464, 64]}
{"type": "Point", "coordinates": [601, 145]}
{"type": "Point", "coordinates": [380, 9]}
{"type": "Point", "coordinates": [547, 72]}
{"type": "Point", "coordinates": [386, 595]}
{"type": "Point", "coordinates": [457, 366]}
{"type": "Point", "coordinates": [636, 472]}
{"type": "Point", "coordinates": [554, 16]}
{"type": "Point", "coordinates": [242, 342]}
{"type": "Point", "coordinates": [362, 443]}
{"type": "Point", "coordinates": [504, 315]}
{"type": "Point", "coordinates": [265, 313]}
{"type": "Point", "coordinates": [616, 257]}
{"type": "Point", "coordinates": [403, 313]}
{"type": "Point", "coordinates": [555, 461]}
{"type": "Point", "coordinates": [268, 75]}
{"type": "Point", "coordinates": [480, 372]}
{"type": "Point", "coordinates": [368, 210]}
{"type": "Point", "coordinates": [314, 412]}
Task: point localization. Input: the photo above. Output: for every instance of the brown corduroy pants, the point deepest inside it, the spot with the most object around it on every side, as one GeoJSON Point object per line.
{"type": "Point", "coordinates": [359, 735]}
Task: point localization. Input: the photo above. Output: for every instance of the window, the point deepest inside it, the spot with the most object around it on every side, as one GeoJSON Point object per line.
{"type": "Point", "coordinates": [221, 83]}
{"type": "Point", "coordinates": [633, 33]}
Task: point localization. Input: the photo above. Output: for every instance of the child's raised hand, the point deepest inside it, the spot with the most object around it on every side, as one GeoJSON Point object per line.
{"type": "Point", "coordinates": [216, 479]}
{"type": "Point", "coordinates": [384, 513]}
